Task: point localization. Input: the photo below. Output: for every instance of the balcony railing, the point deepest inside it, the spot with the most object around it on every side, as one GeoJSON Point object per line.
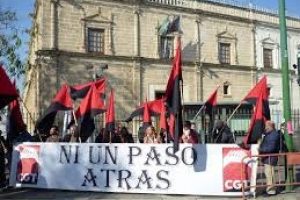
{"type": "Point", "coordinates": [239, 4]}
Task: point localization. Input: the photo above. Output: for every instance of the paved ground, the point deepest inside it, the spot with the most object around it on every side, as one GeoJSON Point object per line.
{"type": "Point", "coordinates": [34, 194]}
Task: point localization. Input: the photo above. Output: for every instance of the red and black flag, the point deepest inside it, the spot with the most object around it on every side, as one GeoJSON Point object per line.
{"type": "Point", "coordinates": [7, 91]}
{"type": "Point", "coordinates": [173, 98]}
{"type": "Point", "coordinates": [110, 114]}
{"type": "Point", "coordinates": [81, 90]}
{"type": "Point", "coordinates": [257, 124]}
{"type": "Point", "coordinates": [211, 102]}
{"type": "Point", "coordinates": [90, 106]}
{"type": "Point", "coordinates": [62, 101]}
{"type": "Point", "coordinates": [163, 118]}
{"type": "Point", "coordinates": [15, 123]}
{"type": "Point", "coordinates": [259, 98]}
{"type": "Point", "coordinates": [155, 108]}
{"type": "Point", "coordinates": [146, 116]}
{"type": "Point", "coordinates": [260, 89]}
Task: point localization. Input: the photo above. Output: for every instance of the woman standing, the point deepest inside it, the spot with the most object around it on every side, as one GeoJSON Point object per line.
{"type": "Point", "coordinates": [151, 137]}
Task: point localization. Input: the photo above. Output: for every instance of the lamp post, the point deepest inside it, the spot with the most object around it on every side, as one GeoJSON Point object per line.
{"type": "Point", "coordinates": [285, 86]}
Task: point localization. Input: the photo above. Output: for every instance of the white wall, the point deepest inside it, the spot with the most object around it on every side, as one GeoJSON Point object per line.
{"type": "Point", "coordinates": [266, 36]}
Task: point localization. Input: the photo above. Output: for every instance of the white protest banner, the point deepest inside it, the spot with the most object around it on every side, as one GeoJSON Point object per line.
{"type": "Point", "coordinates": [210, 169]}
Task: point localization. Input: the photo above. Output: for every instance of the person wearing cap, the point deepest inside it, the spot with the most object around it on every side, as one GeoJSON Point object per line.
{"type": "Point", "coordinates": [189, 135]}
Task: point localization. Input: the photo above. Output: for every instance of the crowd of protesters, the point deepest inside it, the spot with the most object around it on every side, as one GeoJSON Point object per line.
{"type": "Point", "coordinates": [147, 134]}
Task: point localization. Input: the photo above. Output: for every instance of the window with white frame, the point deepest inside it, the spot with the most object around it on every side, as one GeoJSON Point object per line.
{"type": "Point", "coordinates": [268, 57]}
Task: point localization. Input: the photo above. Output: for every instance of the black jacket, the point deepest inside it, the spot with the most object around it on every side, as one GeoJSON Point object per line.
{"type": "Point", "coordinates": [223, 135]}
{"type": "Point", "coordinates": [269, 145]}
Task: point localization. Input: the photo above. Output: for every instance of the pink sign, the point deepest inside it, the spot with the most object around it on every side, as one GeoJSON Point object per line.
{"type": "Point", "coordinates": [290, 127]}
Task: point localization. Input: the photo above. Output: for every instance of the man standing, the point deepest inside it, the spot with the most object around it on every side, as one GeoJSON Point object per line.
{"type": "Point", "coordinates": [270, 144]}
{"type": "Point", "coordinates": [222, 133]}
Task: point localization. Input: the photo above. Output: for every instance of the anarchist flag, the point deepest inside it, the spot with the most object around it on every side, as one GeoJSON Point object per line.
{"type": "Point", "coordinates": [260, 89]}
{"type": "Point", "coordinates": [89, 107]}
{"type": "Point", "coordinates": [110, 114]}
{"type": "Point", "coordinates": [163, 118]}
{"type": "Point", "coordinates": [257, 124]}
{"type": "Point", "coordinates": [173, 98]}
{"type": "Point", "coordinates": [211, 102]}
{"type": "Point", "coordinates": [259, 98]}
{"type": "Point", "coordinates": [62, 101]}
{"type": "Point", "coordinates": [15, 123]}
{"type": "Point", "coordinates": [81, 90]}
{"type": "Point", "coordinates": [155, 108]}
{"type": "Point", "coordinates": [146, 116]}
{"type": "Point", "coordinates": [7, 91]}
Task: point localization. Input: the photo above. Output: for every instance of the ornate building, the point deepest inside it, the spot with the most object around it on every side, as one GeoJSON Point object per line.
{"type": "Point", "coordinates": [221, 46]}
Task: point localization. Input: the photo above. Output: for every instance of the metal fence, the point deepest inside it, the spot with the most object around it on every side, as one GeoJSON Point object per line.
{"type": "Point", "coordinates": [239, 123]}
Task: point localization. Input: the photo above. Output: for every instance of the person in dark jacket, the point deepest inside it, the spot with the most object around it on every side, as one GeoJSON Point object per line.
{"type": "Point", "coordinates": [282, 147]}
{"type": "Point", "coordinates": [141, 134]}
{"type": "Point", "coordinates": [100, 136]}
{"type": "Point", "coordinates": [270, 144]}
{"type": "Point", "coordinates": [24, 136]}
{"type": "Point", "coordinates": [222, 133]}
{"type": "Point", "coordinates": [126, 137]}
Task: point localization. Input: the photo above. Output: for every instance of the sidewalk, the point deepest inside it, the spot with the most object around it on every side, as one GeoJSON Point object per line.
{"type": "Point", "coordinates": [34, 194]}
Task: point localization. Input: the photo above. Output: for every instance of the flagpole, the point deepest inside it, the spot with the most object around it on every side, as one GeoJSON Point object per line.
{"type": "Point", "coordinates": [30, 116]}
{"type": "Point", "coordinates": [76, 124]}
{"type": "Point", "coordinates": [182, 99]}
{"type": "Point", "coordinates": [109, 137]}
{"type": "Point", "coordinates": [234, 111]}
{"type": "Point", "coordinates": [199, 111]}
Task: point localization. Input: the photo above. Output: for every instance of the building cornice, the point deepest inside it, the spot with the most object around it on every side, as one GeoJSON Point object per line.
{"type": "Point", "coordinates": [143, 60]}
{"type": "Point", "coordinates": [228, 67]}
{"type": "Point", "coordinates": [273, 71]}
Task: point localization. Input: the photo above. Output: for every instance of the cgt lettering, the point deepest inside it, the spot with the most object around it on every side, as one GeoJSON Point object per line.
{"type": "Point", "coordinates": [29, 178]}
{"type": "Point", "coordinates": [235, 184]}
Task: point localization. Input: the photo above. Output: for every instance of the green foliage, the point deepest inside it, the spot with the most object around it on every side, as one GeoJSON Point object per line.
{"type": "Point", "coordinates": [10, 42]}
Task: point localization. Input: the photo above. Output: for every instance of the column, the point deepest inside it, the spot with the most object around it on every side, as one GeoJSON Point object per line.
{"type": "Point", "coordinates": [198, 61]}
{"type": "Point", "coordinates": [136, 47]}
{"type": "Point", "coordinates": [53, 24]}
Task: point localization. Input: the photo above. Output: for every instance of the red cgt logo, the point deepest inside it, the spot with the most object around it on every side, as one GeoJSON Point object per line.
{"type": "Point", "coordinates": [28, 167]}
{"type": "Point", "coordinates": [232, 158]}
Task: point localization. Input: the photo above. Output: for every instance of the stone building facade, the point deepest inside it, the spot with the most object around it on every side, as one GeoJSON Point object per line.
{"type": "Point", "coordinates": [72, 38]}
{"type": "Point", "coordinates": [269, 62]}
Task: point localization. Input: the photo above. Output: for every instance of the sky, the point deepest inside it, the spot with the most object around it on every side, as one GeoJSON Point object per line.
{"type": "Point", "coordinates": [24, 7]}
